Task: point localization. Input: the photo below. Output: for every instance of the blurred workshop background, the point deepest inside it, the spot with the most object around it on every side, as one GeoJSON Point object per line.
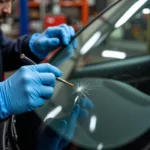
{"type": "Point", "coordinates": [39, 14]}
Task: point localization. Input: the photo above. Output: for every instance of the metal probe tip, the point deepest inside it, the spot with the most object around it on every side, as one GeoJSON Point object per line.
{"type": "Point", "coordinates": [64, 81]}
{"type": "Point", "coordinates": [71, 84]}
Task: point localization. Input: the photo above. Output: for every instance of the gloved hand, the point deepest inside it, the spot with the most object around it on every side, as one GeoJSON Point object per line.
{"type": "Point", "coordinates": [62, 130]}
{"type": "Point", "coordinates": [27, 89]}
{"type": "Point", "coordinates": [64, 56]}
{"type": "Point", "coordinates": [52, 38]}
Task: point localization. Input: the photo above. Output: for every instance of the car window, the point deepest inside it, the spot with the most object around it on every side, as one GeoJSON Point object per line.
{"type": "Point", "coordinates": [111, 68]}
{"type": "Point", "coordinates": [115, 41]}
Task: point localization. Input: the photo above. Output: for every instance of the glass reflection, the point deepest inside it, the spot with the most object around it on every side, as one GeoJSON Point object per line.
{"type": "Point", "coordinates": [100, 147]}
{"type": "Point", "coordinates": [90, 43]}
{"type": "Point", "coordinates": [132, 10]}
{"type": "Point", "coordinates": [113, 54]}
{"type": "Point", "coordinates": [52, 114]}
{"type": "Point", "coordinates": [110, 72]}
{"type": "Point", "coordinates": [93, 123]}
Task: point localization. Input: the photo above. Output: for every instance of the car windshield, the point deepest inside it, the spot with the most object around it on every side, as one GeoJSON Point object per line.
{"type": "Point", "coordinates": [111, 67]}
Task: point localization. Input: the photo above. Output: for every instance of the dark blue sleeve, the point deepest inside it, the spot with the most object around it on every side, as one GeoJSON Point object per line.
{"type": "Point", "coordinates": [11, 50]}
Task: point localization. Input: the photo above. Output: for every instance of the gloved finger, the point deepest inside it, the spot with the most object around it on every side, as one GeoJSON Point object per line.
{"type": "Point", "coordinates": [86, 103]}
{"type": "Point", "coordinates": [47, 79]}
{"type": "Point", "coordinates": [74, 42]}
{"type": "Point", "coordinates": [72, 31]}
{"type": "Point", "coordinates": [59, 33]}
{"type": "Point", "coordinates": [83, 113]}
{"type": "Point", "coordinates": [34, 103]}
{"type": "Point", "coordinates": [53, 42]}
{"type": "Point", "coordinates": [42, 43]}
{"type": "Point", "coordinates": [66, 28]}
{"type": "Point", "coordinates": [46, 43]}
{"type": "Point", "coordinates": [67, 54]}
{"type": "Point", "coordinates": [46, 68]}
{"type": "Point", "coordinates": [45, 91]}
{"type": "Point", "coordinates": [71, 125]}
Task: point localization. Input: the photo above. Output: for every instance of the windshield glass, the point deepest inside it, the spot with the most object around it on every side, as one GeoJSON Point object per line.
{"type": "Point", "coordinates": [111, 67]}
{"type": "Point", "coordinates": [117, 35]}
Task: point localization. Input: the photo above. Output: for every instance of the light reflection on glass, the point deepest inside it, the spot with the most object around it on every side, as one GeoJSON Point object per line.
{"type": "Point", "coordinates": [131, 11]}
{"type": "Point", "coordinates": [113, 54]}
{"type": "Point", "coordinates": [53, 113]}
{"type": "Point", "coordinates": [100, 146]}
{"type": "Point", "coordinates": [76, 99]}
{"type": "Point", "coordinates": [93, 123]}
{"type": "Point", "coordinates": [90, 43]}
{"type": "Point", "coordinates": [146, 11]}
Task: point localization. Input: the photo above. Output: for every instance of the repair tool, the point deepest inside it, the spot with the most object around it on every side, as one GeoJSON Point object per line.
{"type": "Point", "coordinates": [28, 61]}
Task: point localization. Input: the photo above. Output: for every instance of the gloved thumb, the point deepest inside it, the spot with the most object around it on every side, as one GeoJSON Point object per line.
{"type": "Point", "coordinates": [74, 42]}
{"type": "Point", "coordinates": [45, 42]}
{"type": "Point", "coordinates": [53, 43]}
{"type": "Point", "coordinates": [65, 55]}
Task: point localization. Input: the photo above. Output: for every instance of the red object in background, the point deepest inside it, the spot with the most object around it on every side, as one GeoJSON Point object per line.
{"type": "Point", "coordinates": [3, 77]}
{"type": "Point", "coordinates": [53, 20]}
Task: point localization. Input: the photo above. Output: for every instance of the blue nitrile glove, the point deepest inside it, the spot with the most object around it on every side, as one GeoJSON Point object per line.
{"type": "Point", "coordinates": [85, 105]}
{"type": "Point", "coordinates": [52, 38]}
{"type": "Point", "coordinates": [62, 130]}
{"type": "Point", "coordinates": [64, 56]}
{"type": "Point", "coordinates": [27, 89]}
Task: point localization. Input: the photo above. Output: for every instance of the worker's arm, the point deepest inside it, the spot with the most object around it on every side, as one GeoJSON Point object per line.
{"type": "Point", "coordinates": [38, 46]}
{"type": "Point", "coordinates": [11, 50]}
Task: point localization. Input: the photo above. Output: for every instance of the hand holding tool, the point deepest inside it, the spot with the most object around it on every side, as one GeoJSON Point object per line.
{"type": "Point", "coordinates": [28, 61]}
{"type": "Point", "coordinates": [27, 89]}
